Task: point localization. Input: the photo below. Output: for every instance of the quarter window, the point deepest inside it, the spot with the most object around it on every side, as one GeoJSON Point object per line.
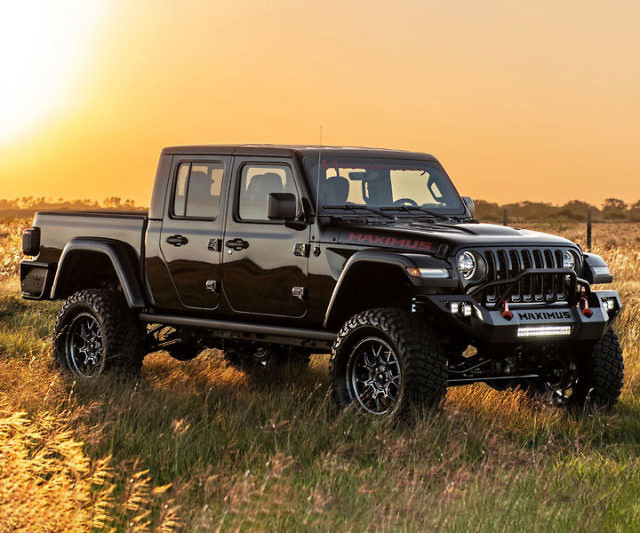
{"type": "Point", "coordinates": [257, 183]}
{"type": "Point", "coordinates": [197, 190]}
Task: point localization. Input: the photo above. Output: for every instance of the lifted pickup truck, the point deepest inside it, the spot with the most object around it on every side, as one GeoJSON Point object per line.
{"type": "Point", "coordinates": [271, 253]}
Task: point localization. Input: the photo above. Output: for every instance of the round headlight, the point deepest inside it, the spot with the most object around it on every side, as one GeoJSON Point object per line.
{"type": "Point", "coordinates": [568, 260]}
{"type": "Point", "coordinates": [467, 265]}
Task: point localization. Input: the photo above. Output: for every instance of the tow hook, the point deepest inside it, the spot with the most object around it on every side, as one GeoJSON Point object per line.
{"type": "Point", "coordinates": [506, 314]}
{"type": "Point", "coordinates": [584, 307]}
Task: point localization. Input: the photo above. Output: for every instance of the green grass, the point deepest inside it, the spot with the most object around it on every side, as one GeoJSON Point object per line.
{"type": "Point", "coordinates": [272, 453]}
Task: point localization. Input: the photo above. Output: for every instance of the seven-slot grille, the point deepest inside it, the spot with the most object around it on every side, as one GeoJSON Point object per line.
{"type": "Point", "coordinates": [506, 263]}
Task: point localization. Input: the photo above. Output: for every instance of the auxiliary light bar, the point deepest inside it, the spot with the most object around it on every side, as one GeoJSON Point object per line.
{"type": "Point", "coordinates": [544, 331]}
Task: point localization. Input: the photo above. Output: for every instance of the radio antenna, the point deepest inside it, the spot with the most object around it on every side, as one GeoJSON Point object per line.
{"type": "Point", "coordinates": [318, 176]}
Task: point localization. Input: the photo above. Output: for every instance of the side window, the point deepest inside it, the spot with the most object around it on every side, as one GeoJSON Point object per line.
{"type": "Point", "coordinates": [257, 182]}
{"type": "Point", "coordinates": [197, 190]}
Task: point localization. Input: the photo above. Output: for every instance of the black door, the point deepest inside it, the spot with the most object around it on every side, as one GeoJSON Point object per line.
{"type": "Point", "coordinates": [191, 238]}
{"type": "Point", "coordinates": [264, 262]}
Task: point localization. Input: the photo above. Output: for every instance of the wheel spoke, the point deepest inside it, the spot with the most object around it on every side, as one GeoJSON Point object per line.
{"type": "Point", "coordinates": [85, 345]}
{"type": "Point", "coordinates": [375, 376]}
{"type": "Point", "coordinates": [367, 362]}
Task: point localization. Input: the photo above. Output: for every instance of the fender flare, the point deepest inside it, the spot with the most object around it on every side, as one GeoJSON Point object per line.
{"type": "Point", "coordinates": [120, 255]}
{"type": "Point", "coordinates": [398, 260]}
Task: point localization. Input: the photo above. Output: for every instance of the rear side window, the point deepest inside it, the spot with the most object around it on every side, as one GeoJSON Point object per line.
{"type": "Point", "coordinates": [257, 183]}
{"type": "Point", "coordinates": [197, 190]}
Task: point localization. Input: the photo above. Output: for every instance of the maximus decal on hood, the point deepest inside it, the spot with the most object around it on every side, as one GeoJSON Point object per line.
{"type": "Point", "coordinates": [392, 242]}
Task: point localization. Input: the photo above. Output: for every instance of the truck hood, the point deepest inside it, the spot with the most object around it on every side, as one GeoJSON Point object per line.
{"type": "Point", "coordinates": [427, 237]}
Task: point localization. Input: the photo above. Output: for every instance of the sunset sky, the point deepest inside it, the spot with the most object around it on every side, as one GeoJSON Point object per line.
{"type": "Point", "coordinates": [518, 100]}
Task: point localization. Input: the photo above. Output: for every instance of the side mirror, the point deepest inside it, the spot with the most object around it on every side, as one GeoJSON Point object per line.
{"type": "Point", "coordinates": [471, 207]}
{"type": "Point", "coordinates": [282, 206]}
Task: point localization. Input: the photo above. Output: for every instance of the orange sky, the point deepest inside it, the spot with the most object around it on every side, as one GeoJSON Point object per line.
{"type": "Point", "coordinates": [518, 102]}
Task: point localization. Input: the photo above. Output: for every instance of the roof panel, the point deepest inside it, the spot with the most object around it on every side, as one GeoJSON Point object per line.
{"type": "Point", "coordinates": [283, 150]}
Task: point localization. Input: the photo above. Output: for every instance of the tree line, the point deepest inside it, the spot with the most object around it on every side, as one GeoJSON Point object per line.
{"type": "Point", "coordinates": [29, 204]}
{"type": "Point", "coordinates": [612, 209]}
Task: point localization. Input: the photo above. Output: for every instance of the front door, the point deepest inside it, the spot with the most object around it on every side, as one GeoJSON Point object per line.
{"type": "Point", "coordinates": [191, 240]}
{"type": "Point", "coordinates": [264, 262]}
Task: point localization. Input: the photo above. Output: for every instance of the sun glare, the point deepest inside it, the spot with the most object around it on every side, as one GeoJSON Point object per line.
{"type": "Point", "coordinates": [43, 45]}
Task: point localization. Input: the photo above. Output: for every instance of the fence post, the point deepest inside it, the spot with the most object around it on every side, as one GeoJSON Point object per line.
{"type": "Point", "coordinates": [505, 219]}
{"type": "Point", "coordinates": [588, 229]}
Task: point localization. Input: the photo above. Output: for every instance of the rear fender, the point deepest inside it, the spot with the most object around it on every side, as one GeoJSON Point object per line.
{"type": "Point", "coordinates": [121, 257]}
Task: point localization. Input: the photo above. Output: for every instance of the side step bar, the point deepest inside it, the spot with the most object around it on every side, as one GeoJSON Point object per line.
{"type": "Point", "coordinates": [241, 330]}
{"type": "Point", "coordinates": [455, 381]}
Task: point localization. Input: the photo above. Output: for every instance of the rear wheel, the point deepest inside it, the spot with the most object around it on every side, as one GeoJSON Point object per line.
{"type": "Point", "coordinates": [385, 360]}
{"type": "Point", "coordinates": [96, 331]}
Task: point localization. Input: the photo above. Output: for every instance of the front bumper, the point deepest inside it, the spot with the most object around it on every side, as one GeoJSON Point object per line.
{"type": "Point", "coordinates": [557, 322]}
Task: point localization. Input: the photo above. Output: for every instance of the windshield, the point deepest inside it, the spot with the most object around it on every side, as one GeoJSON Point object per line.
{"type": "Point", "coordinates": [383, 184]}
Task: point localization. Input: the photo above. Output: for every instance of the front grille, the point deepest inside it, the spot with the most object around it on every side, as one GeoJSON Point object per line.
{"type": "Point", "coordinates": [507, 263]}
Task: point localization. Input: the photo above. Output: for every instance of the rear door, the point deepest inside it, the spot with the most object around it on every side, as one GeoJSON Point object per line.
{"type": "Point", "coordinates": [264, 263]}
{"type": "Point", "coordinates": [191, 238]}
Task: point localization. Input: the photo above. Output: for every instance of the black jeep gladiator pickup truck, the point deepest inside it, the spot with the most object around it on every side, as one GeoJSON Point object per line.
{"type": "Point", "coordinates": [271, 253]}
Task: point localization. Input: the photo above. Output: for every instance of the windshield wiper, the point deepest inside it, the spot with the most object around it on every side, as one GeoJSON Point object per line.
{"type": "Point", "coordinates": [358, 207]}
{"type": "Point", "coordinates": [407, 208]}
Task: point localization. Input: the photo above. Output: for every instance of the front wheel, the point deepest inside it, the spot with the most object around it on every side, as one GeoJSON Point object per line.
{"type": "Point", "coordinates": [590, 378]}
{"type": "Point", "coordinates": [385, 360]}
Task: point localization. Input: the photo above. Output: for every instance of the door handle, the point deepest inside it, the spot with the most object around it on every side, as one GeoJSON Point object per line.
{"type": "Point", "coordinates": [177, 240]}
{"type": "Point", "coordinates": [237, 244]}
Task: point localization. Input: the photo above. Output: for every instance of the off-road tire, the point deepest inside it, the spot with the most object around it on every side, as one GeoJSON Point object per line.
{"type": "Point", "coordinates": [422, 358]}
{"type": "Point", "coordinates": [601, 374]}
{"type": "Point", "coordinates": [123, 334]}
{"type": "Point", "coordinates": [598, 380]}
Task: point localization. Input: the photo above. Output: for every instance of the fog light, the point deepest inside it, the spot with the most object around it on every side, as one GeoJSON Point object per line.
{"type": "Point", "coordinates": [544, 331]}
{"type": "Point", "coordinates": [610, 304]}
{"type": "Point", "coordinates": [454, 307]}
{"type": "Point", "coordinates": [466, 309]}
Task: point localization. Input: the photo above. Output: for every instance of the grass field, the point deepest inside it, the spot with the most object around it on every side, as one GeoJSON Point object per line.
{"type": "Point", "coordinates": [199, 446]}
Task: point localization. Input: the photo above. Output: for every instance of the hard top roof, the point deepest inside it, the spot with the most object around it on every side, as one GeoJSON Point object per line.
{"type": "Point", "coordinates": [284, 150]}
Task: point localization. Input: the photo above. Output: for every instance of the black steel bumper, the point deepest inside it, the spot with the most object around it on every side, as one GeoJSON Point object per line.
{"type": "Point", "coordinates": [36, 279]}
{"type": "Point", "coordinates": [555, 322]}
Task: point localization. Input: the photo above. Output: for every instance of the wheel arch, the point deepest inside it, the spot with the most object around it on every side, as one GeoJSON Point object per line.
{"type": "Point", "coordinates": [384, 271]}
{"type": "Point", "coordinates": [88, 263]}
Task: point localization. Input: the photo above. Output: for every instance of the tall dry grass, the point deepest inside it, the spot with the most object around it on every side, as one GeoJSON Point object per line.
{"type": "Point", "coordinates": [199, 446]}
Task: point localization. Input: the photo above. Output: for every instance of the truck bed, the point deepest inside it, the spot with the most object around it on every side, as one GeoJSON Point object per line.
{"type": "Point", "coordinates": [59, 227]}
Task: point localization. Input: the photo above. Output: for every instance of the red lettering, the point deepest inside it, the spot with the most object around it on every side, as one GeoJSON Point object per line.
{"type": "Point", "coordinates": [424, 245]}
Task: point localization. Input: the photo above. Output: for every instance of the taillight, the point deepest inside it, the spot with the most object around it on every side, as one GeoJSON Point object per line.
{"type": "Point", "coordinates": [31, 241]}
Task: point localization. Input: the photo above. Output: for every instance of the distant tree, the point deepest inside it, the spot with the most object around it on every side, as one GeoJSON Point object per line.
{"type": "Point", "coordinates": [614, 208]}
{"type": "Point", "coordinates": [113, 201]}
{"type": "Point", "coordinates": [634, 211]}
{"type": "Point", "coordinates": [575, 210]}
{"type": "Point", "coordinates": [488, 211]}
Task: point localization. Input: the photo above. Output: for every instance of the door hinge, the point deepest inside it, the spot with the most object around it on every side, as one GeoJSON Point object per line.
{"type": "Point", "coordinates": [301, 250]}
{"type": "Point", "coordinates": [215, 245]}
{"type": "Point", "coordinates": [299, 292]}
{"type": "Point", "coordinates": [211, 285]}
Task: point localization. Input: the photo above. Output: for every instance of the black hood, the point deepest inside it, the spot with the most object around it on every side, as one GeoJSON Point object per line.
{"type": "Point", "coordinates": [428, 237]}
